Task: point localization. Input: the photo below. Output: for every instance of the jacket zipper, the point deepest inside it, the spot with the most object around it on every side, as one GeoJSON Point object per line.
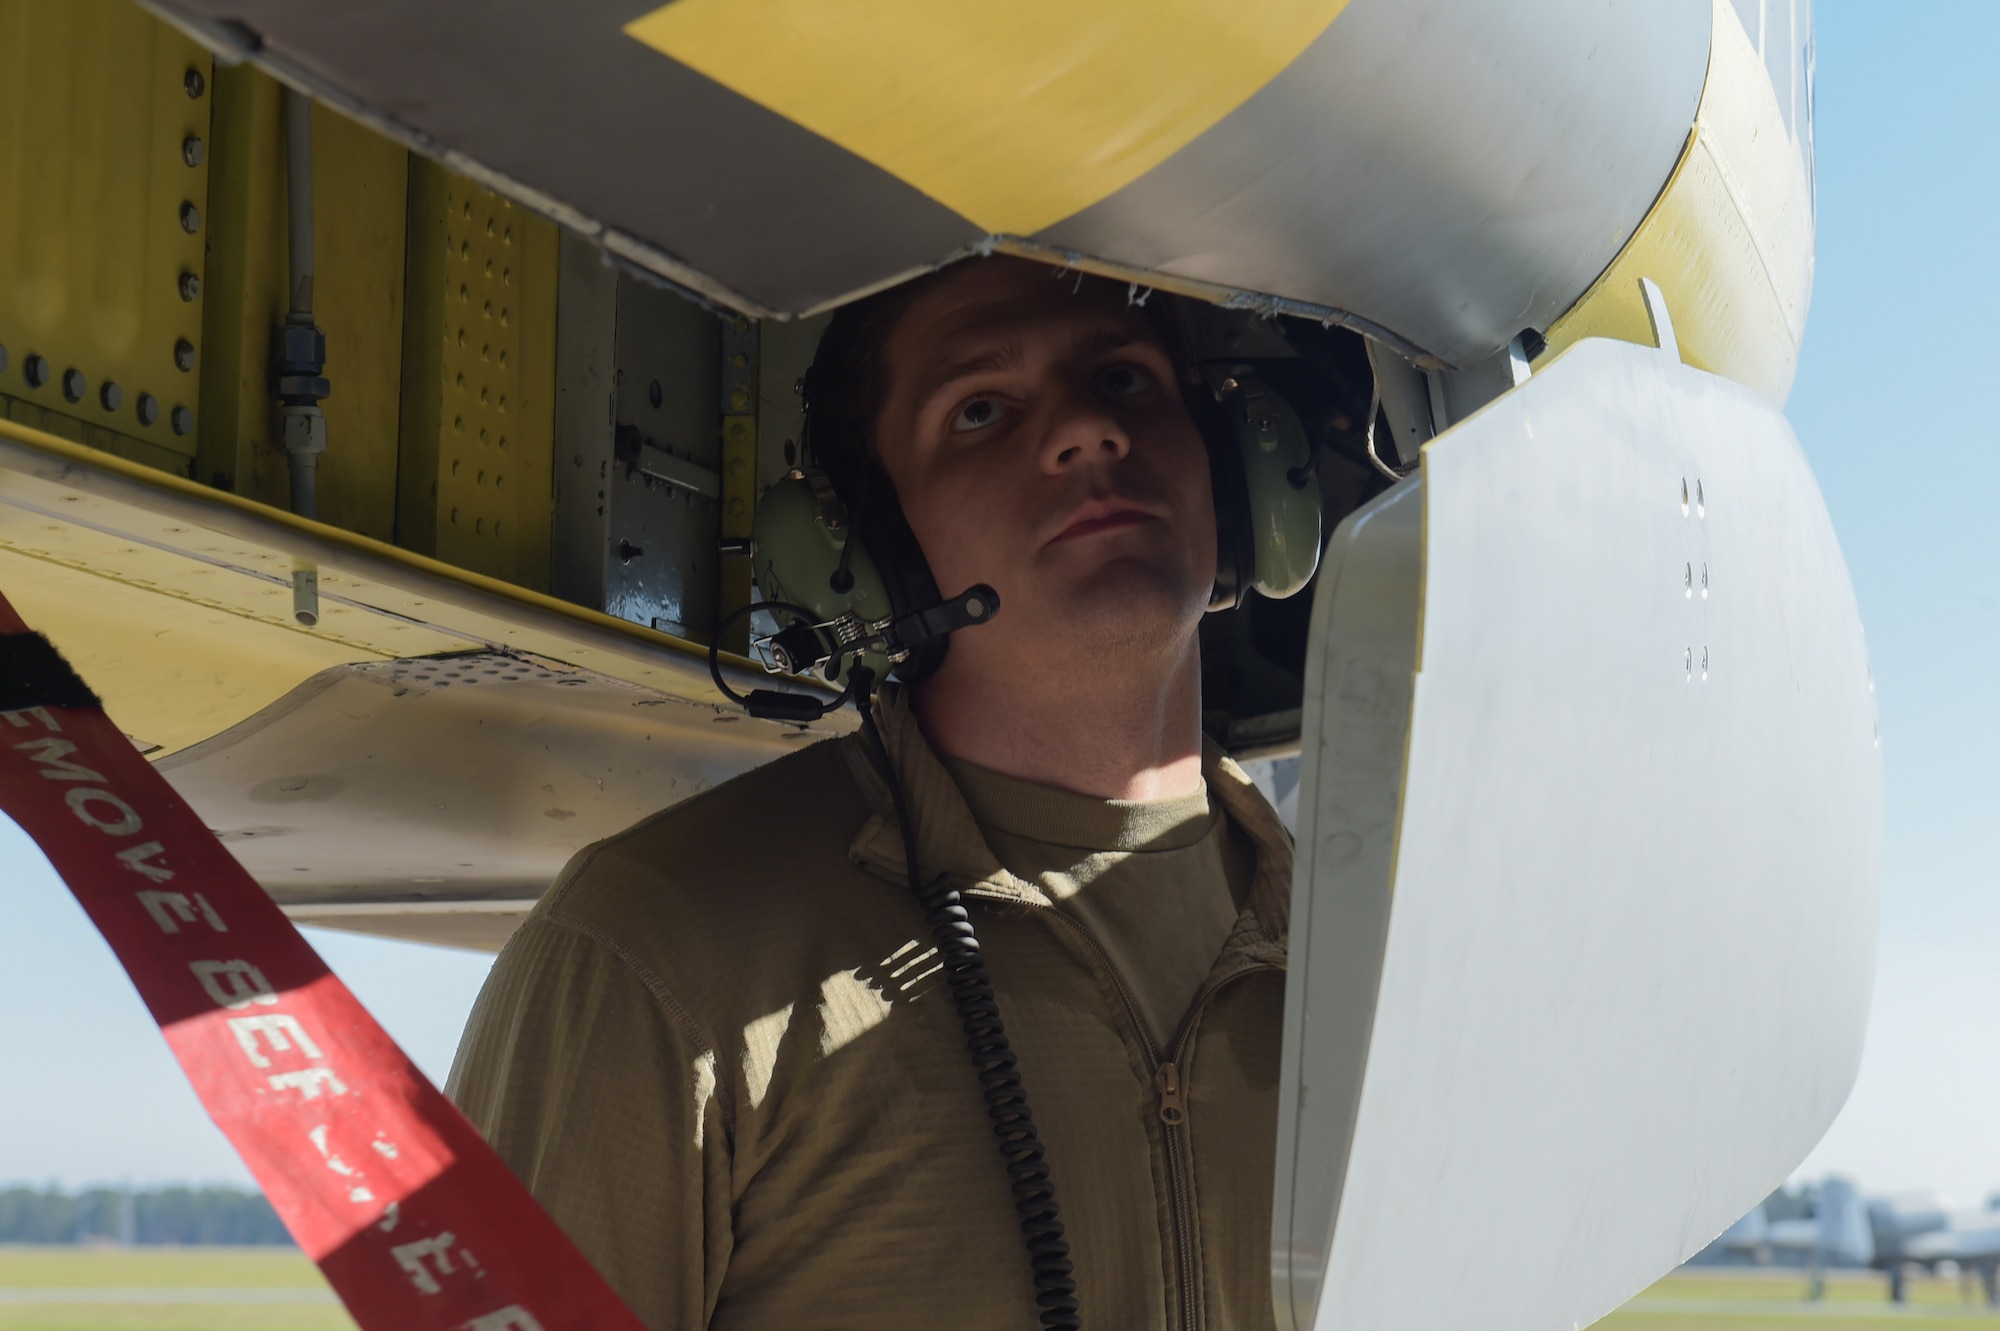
{"type": "Point", "coordinates": [1170, 1092]}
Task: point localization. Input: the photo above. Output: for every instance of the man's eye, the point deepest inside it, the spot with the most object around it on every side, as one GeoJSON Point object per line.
{"type": "Point", "coordinates": [1123, 381]}
{"type": "Point", "coordinates": [975, 415]}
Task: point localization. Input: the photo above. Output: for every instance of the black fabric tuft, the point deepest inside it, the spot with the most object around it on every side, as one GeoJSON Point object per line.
{"type": "Point", "coordinates": [34, 674]}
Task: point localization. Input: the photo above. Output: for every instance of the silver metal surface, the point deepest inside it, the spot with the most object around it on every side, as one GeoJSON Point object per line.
{"type": "Point", "coordinates": [1350, 767]}
{"type": "Point", "coordinates": [475, 777]}
{"type": "Point", "coordinates": [1611, 934]}
{"type": "Point", "coordinates": [1454, 170]}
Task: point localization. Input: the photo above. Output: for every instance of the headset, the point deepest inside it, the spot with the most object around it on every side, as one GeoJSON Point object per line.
{"type": "Point", "coordinates": [854, 601]}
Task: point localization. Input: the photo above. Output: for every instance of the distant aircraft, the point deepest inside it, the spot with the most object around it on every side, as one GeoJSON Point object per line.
{"type": "Point", "coordinates": [1891, 1233]}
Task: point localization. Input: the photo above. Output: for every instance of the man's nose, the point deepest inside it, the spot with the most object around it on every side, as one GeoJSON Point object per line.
{"type": "Point", "coordinates": [1083, 432]}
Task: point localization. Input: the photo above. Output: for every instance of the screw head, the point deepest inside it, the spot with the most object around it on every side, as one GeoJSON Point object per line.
{"type": "Point", "coordinates": [195, 84]}
{"type": "Point", "coordinates": [74, 385]}
{"type": "Point", "coordinates": [149, 409]}
{"type": "Point", "coordinates": [183, 355]}
{"type": "Point", "coordinates": [190, 218]}
{"type": "Point", "coordinates": [36, 371]}
{"type": "Point", "coordinates": [183, 420]}
{"type": "Point", "coordinates": [111, 395]}
{"type": "Point", "coordinates": [192, 151]}
{"type": "Point", "coordinates": [190, 286]}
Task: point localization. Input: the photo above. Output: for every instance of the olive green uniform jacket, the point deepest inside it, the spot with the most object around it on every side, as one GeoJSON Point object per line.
{"type": "Point", "coordinates": [720, 1052]}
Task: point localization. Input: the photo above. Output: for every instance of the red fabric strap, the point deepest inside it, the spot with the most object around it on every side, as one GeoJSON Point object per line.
{"type": "Point", "coordinates": [417, 1224]}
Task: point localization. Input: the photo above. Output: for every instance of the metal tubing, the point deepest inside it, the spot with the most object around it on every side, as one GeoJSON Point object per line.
{"type": "Point", "coordinates": [299, 202]}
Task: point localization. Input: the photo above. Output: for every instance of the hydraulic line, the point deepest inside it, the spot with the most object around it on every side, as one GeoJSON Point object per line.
{"type": "Point", "coordinates": [298, 347]}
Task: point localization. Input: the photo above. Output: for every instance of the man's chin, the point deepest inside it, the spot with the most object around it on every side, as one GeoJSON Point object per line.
{"type": "Point", "coordinates": [1130, 602]}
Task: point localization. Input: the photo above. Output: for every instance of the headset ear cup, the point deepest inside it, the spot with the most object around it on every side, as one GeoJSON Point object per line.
{"type": "Point", "coordinates": [1233, 558]}
{"type": "Point", "coordinates": [906, 574]}
{"type": "Point", "coordinates": [1279, 502]}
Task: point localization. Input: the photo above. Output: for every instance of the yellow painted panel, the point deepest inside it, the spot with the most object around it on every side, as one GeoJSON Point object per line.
{"type": "Point", "coordinates": [109, 113]}
{"type": "Point", "coordinates": [422, 608]}
{"type": "Point", "coordinates": [171, 671]}
{"type": "Point", "coordinates": [360, 215]}
{"type": "Point", "coordinates": [245, 293]}
{"type": "Point", "coordinates": [1730, 240]}
{"type": "Point", "coordinates": [1013, 115]}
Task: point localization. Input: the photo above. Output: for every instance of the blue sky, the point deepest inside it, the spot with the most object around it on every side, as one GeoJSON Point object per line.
{"type": "Point", "coordinates": [1892, 405]}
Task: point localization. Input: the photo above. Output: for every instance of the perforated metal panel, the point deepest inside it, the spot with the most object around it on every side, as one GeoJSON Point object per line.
{"type": "Point", "coordinates": [478, 380]}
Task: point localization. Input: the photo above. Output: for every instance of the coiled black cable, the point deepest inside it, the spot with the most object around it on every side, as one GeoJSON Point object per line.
{"type": "Point", "coordinates": [993, 1059]}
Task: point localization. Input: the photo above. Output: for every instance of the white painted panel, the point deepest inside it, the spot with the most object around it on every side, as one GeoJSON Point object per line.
{"type": "Point", "coordinates": [1630, 886]}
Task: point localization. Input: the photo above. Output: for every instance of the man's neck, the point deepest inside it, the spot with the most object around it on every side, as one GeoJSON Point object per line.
{"type": "Point", "coordinates": [1126, 736]}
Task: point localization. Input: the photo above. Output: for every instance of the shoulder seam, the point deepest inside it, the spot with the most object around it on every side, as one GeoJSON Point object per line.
{"type": "Point", "coordinates": [657, 987]}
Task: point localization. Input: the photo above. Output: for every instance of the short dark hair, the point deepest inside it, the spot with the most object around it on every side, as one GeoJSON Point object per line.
{"type": "Point", "coordinates": [848, 383]}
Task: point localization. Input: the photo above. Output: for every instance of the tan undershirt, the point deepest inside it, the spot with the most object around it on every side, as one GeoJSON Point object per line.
{"type": "Point", "coordinates": [1157, 884]}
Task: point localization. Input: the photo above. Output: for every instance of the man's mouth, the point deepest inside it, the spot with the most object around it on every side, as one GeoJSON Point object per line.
{"type": "Point", "coordinates": [1102, 515]}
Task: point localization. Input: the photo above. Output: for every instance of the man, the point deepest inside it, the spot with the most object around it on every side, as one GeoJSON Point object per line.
{"type": "Point", "coordinates": [720, 1051]}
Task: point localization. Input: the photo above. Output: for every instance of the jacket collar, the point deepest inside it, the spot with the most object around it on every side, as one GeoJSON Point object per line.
{"type": "Point", "coordinates": [949, 840]}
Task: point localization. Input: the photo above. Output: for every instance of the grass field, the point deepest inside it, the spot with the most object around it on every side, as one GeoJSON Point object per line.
{"type": "Point", "coordinates": [164, 1289]}
{"type": "Point", "coordinates": [260, 1289]}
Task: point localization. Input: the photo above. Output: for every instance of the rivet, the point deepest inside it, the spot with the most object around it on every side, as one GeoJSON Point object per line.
{"type": "Point", "coordinates": [479, 526]}
{"type": "Point", "coordinates": [499, 483]}
{"type": "Point", "coordinates": [1687, 662]}
{"type": "Point", "coordinates": [503, 402]}
{"type": "Point", "coordinates": [74, 385]}
{"type": "Point", "coordinates": [503, 316]}
{"type": "Point", "coordinates": [653, 393]}
{"type": "Point", "coordinates": [496, 526]}
{"type": "Point", "coordinates": [36, 371]}
{"type": "Point", "coordinates": [454, 517]}
{"type": "Point", "coordinates": [465, 294]}
{"type": "Point", "coordinates": [458, 382]}
{"type": "Point", "coordinates": [484, 397]}
{"type": "Point", "coordinates": [1704, 582]}
{"type": "Point", "coordinates": [192, 150]}
{"type": "Point", "coordinates": [486, 352]}
{"type": "Point", "coordinates": [183, 420]}
{"type": "Point", "coordinates": [190, 217]}
{"type": "Point", "coordinates": [183, 355]}
{"type": "Point", "coordinates": [1687, 580]}
{"type": "Point", "coordinates": [190, 286]}
{"type": "Point", "coordinates": [149, 409]}
{"type": "Point", "coordinates": [111, 395]}
{"type": "Point", "coordinates": [454, 466]}
{"type": "Point", "coordinates": [1684, 496]}
{"type": "Point", "coordinates": [1704, 663]}
{"type": "Point", "coordinates": [1700, 503]}
{"type": "Point", "coordinates": [503, 443]}
{"type": "Point", "coordinates": [480, 479]}
{"type": "Point", "coordinates": [195, 84]}
{"type": "Point", "coordinates": [458, 425]}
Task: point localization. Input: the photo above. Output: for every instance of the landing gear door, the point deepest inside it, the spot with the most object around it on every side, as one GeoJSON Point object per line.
{"type": "Point", "coordinates": [1590, 829]}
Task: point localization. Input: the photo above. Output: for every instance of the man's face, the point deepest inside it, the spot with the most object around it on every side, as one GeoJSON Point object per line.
{"type": "Point", "coordinates": [1038, 442]}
